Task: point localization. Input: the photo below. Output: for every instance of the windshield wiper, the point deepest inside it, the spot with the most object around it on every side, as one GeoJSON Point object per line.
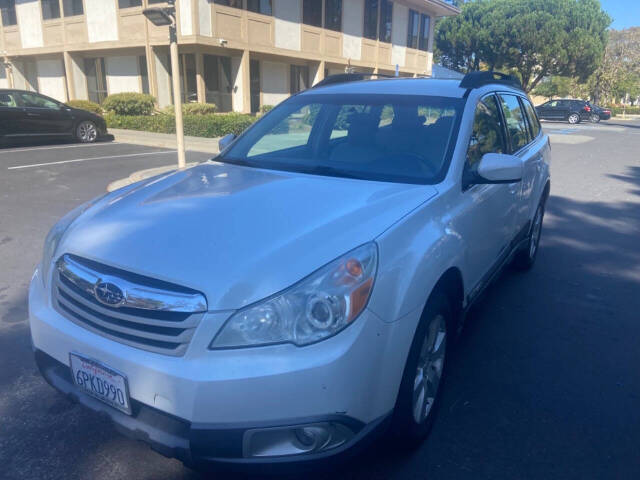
{"type": "Point", "coordinates": [331, 171]}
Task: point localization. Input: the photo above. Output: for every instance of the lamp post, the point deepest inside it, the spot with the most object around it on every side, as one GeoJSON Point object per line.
{"type": "Point", "coordinates": [163, 16]}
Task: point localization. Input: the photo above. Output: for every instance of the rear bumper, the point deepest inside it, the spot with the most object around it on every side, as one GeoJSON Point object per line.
{"type": "Point", "coordinates": [205, 446]}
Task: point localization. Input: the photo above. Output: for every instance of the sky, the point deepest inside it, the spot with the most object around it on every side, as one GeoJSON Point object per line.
{"type": "Point", "coordinates": [625, 13]}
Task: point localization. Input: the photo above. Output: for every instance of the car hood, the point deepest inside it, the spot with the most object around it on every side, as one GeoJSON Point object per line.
{"type": "Point", "coordinates": [237, 234]}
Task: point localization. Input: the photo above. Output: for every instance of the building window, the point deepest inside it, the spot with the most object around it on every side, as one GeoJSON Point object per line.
{"type": "Point", "coordinates": [260, 6]}
{"type": "Point", "coordinates": [333, 15]}
{"type": "Point", "coordinates": [312, 12]}
{"type": "Point", "coordinates": [72, 8]}
{"type": "Point", "coordinates": [8, 8]}
{"type": "Point", "coordinates": [299, 78]}
{"type": "Point", "coordinates": [386, 19]}
{"type": "Point", "coordinates": [370, 19]}
{"type": "Point", "coordinates": [412, 32]}
{"type": "Point", "coordinates": [96, 79]}
{"type": "Point", "coordinates": [129, 3]}
{"type": "Point", "coordinates": [144, 74]}
{"type": "Point", "coordinates": [50, 9]}
{"type": "Point", "coordinates": [188, 85]}
{"type": "Point", "coordinates": [229, 3]}
{"type": "Point", "coordinates": [217, 81]}
{"type": "Point", "coordinates": [425, 21]}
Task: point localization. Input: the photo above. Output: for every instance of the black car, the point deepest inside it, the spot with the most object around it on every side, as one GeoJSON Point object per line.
{"type": "Point", "coordinates": [572, 111]}
{"type": "Point", "coordinates": [25, 115]}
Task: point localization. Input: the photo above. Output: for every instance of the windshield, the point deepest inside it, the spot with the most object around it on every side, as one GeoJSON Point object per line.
{"type": "Point", "coordinates": [396, 138]}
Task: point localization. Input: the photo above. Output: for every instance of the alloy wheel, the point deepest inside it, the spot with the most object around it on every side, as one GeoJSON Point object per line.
{"type": "Point", "coordinates": [574, 118]}
{"type": "Point", "coordinates": [429, 369]}
{"type": "Point", "coordinates": [87, 132]}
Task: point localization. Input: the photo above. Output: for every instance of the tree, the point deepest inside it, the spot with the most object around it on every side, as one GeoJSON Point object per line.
{"type": "Point", "coordinates": [535, 38]}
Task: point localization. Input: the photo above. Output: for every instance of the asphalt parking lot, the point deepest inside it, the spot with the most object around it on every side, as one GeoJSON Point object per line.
{"type": "Point", "coordinates": [545, 382]}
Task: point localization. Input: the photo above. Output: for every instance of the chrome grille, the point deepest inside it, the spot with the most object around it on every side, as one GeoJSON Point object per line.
{"type": "Point", "coordinates": [153, 315]}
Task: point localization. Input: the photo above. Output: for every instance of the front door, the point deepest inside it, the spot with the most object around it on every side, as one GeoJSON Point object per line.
{"type": "Point", "coordinates": [486, 219]}
{"type": "Point", "coordinates": [44, 116]}
{"type": "Point", "coordinates": [11, 115]}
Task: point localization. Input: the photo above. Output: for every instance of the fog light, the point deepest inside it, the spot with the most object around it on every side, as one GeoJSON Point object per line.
{"type": "Point", "coordinates": [295, 440]}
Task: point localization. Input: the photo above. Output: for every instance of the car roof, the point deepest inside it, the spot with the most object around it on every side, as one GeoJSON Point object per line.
{"type": "Point", "coordinates": [394, 86]}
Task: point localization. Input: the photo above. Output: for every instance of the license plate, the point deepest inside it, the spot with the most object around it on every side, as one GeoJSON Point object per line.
{"type": "Point", "coordinates": [100, 381]}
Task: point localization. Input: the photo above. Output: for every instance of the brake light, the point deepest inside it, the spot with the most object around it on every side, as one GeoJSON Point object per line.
{"type": "Point", "coordinates": [607, 111]}
{"type": "Point", "coordinates": [587, 108]}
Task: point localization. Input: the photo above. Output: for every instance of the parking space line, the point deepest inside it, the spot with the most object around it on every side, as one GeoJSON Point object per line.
{"type": "Point", "coordinates": [50, 147]}
{"type": "Point", "coordinates": [87, 159]}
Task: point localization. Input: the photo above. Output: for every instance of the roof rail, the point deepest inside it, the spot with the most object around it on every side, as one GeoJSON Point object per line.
{"type": "Point", "coordinates": [479, 79]}
{"type": "Point", "coordinates": [349, 77]}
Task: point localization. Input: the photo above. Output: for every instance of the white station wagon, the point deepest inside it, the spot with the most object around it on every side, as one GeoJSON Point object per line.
{"type": "Point", "coordinates": [299, 292]}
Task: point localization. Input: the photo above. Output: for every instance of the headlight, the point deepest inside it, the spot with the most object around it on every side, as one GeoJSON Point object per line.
{"type": "Point", "coordinates": [316, 308]}
{"type": "Point", "coordinates": [55, 235]}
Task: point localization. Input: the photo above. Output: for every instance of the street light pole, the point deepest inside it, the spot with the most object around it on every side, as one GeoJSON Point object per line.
{"type": "Point", "coordinates": [162, 17]}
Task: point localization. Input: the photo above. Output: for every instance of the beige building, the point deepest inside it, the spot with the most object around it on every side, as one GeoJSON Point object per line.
{"type": "Point", "coordinates": [238, 54]}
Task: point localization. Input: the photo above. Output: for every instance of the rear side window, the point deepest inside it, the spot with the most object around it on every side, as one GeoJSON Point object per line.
{"type": "Point", "coordinates": [8, 100]}
{"type": "Point", "coordinates": [515, 120]}
{"type": "Point", "coordinates": [487, 135]}
{"type": "Point", "coordinates": [534, 123]}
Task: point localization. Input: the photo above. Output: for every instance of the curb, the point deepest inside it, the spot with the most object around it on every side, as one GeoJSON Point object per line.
{"type": "Point", "coordinates": [164, 140]}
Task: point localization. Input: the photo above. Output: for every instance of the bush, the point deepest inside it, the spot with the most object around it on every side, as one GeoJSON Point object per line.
{"type": "Point", "coordinates": [629, 110]}
{"type": "Point", "coordinates": [192, 109]}
{"type": "Point", "coordinates": [86, 105]}
{"type": "Point", "coordinates": [265, 109]}
{"type": "Point", "coordinates": [210, 126]}
{"type": "Point", "coordinates": [129, 103]}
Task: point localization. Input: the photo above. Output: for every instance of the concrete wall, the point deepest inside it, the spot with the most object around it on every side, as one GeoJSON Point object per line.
{"type": "Point", "coordinates": [102, 20]}
{"type": "Point", "coordinates": [163, 79]}
{"type": "Point", "coordinates": [352, 25]}
{"type": "Point", "coordinates": [4, 78]}
{"type": "Point", "coordinates": [204, 17]}
{"type": "Point", "coordinates": [399, 34]}
{"type": "Point", "coordinates": [29, 18]}
{"type": "Point", "coordinates": [237, 92]}
{"type": "Point", "coordinates": [79, 78]}
{"type": "Point", "coordinates": [51, 79]}
{"type": "Point", "coordinates": [25, 74]}
{"type": "Point", "coordinates": [275, 80]}
{"type": "Point", "coordinates": [185, 16]}
{"type": "Point", "coordinates": [288, 18]}
{"type": "Point", "coordinates": [122, 74]}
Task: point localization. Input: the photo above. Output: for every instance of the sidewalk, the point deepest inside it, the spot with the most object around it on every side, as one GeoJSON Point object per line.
{"type": "Point", "coordinates": [166, 140]}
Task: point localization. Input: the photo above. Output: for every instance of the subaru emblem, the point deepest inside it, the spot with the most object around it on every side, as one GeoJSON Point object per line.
{"type": "Point", "coordinates": [109, 294]}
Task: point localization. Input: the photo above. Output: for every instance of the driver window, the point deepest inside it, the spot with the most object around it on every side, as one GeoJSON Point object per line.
{"type": "Point", "coordinates": [487, 136]}
{"type": "Point", "coordinates": [32, 100]}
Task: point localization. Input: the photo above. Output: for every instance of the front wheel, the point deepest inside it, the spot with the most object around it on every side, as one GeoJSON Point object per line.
{"type": "Point", "coordinates": [594, 118]}
{"type": "Point", "coordinates": [421, 384]}
{"type": "Point", "coordinates": [87, 132]}
{"type": "Point", "coordinates": [526, 257]}
{"type": "Point", "coordinates": [574, 118]}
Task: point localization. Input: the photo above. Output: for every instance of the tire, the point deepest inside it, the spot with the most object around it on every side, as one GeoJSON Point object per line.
{"type": "Point", "coordinates": [410, 423]}
{"type": "Point", "coordinates": [86, 132]}
{"type": "Point", "coordinates": [573, 118]}
{"type": "Point", "coordinates": [526, 257]}
{"type": "Point", "coordinates": [594, 118]}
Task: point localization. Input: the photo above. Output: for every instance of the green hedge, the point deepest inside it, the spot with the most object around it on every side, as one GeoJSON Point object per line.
{"type": "Point", "coordinates": [86, 105]}
{"type": "Point", "coordinates": [210, 126]}
{"type": "Point", "coordinates": [129, 103]}
{"type": "Point", "coordinates": [635, 110]}
{"type": "Point", "coordinates": [192, 109]}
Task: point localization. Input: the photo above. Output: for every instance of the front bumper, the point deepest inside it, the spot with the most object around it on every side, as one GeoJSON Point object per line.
{"type": "Point", "coordinates": [197, 407]}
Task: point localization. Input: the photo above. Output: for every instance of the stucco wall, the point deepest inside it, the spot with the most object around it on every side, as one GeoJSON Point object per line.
{"type": "Point", "coordinates": [163, 67]}
{"type": "Point", "coordinates": [30, 23]}
{"type": "Point", "coordinates": [274, 82]}
{"type": "Point", "coordinates": [399, 34]}
{"type": "Point", "coordinates": [4, 79]}
{"type": "Point", "coordinates": [288, 17]}
{"type": "Point", "coordinates": [204, 17]}
{"type": "Point", "coordinates": [51, 80]}
{"type": "Point", "coordinates": [352, 25]}
{"type": "Point", "coordinates": [79, 78]}
{"type": "Point", "coordinates": [122, 74]}
{"type": "Point", "coordinates": [102, 20]}
{"type": "Point", "coordinates": [185, 14]}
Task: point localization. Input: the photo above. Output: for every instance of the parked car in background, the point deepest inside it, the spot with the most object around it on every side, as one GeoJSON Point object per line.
{"type": "Point", "coordinates": [300, 292]}
{"type": "Point", "coordinates": [30, 115]}
{"type": "Point", "coordinates": [572, 111]}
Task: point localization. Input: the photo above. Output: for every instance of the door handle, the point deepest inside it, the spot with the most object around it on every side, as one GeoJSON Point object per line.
{"type": "Point", "coordinates": [29, 114]}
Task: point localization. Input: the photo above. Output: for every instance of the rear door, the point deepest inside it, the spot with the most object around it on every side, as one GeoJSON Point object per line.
{"type": "Point", "coordinates": [11, 115]}
{"type": "Point", "coordinates": [44, 116]}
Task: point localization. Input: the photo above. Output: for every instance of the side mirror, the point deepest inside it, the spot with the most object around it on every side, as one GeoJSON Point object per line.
{"type": "Point", "coordinates": [499, 168]}
{"type": "Point", "coordinates": [225, 141]}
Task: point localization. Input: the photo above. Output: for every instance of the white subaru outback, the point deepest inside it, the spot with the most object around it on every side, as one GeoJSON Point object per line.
{"type": "Point", "coordinates": [298, 293]}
